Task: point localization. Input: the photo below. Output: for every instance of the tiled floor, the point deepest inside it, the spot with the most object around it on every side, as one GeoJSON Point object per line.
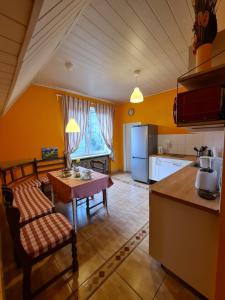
{"type": "Point", "coordinates": [113, 255]}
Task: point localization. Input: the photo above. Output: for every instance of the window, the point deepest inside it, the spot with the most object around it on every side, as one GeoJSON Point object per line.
{"type": "Point", "coordinates": [93, 142]}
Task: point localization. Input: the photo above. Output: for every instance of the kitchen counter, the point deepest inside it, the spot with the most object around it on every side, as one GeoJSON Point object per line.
{"type": "Point", "coordinates": [176, 156]}
{"type": "Point", "coordinates": [180, 187]}
{"type": "Point", "coordinates": [184, 230]}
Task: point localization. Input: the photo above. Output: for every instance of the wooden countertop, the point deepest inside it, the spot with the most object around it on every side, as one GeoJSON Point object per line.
{"type": "Point", "coordinates": [180, 187]}
{"type": "Point", "coordinates": [176, 156]}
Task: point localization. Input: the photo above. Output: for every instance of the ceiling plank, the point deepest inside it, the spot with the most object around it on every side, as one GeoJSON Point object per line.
{"type": "Point", "coordinates": [9, 47]}
{"type": "Point", "coordinates": [8, 58]}
{"type": "Point", "coordinates": [181, 14]}
{"type": "Point", "coordinates": [19, 13]}
{"type": "Point", "coordinates": [12, 30]}
{"type": "Point", "coordinates": [150, 21]}
{"type": "Point", "coordinates": [162, 11]}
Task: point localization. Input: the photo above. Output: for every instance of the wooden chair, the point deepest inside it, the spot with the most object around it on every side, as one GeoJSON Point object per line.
{"type": "Point", "coordinates": [37, 240]}
{"type": "Point", "coordinates": [30, 201]}
{"type": "Point", "coordinates": [99, 166]}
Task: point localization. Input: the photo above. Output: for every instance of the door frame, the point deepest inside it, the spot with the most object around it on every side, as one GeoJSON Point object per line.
{"type": "Point", "coordinates": [124, 142]}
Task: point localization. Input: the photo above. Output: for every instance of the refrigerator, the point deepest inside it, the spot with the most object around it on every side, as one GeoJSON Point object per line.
{"type": "Point", "coordinates": [144, 140]}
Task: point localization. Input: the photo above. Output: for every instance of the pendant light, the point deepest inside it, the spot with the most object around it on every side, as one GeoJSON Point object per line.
{"type": "Point", "coordinates": [72, 126]}
{"type": "Point", "coordinates": [136, 96]}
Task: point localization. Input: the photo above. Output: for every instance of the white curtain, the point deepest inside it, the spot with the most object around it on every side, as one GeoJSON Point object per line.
{"type": "Point", "coordinates": [105, 115]}
{"type": "Point", "coordinates": [79, 110]}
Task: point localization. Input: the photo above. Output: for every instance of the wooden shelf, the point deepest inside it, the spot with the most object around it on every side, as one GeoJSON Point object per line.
{"type": "Point", "coordinates": [210, 77]}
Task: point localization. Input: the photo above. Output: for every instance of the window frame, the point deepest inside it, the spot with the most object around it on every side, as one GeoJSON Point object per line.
{"type": "Point", "coordinates": [87, 142]}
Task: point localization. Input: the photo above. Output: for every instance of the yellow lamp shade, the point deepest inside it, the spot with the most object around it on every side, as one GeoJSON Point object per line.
{"type": "Point", "coordinates": [72, 126]}
{"type": "Point", "coordinates": [136, 96]}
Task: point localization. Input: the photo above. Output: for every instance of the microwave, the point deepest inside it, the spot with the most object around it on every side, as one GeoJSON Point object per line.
{"type": "Point", "coordinates": [202, 105]}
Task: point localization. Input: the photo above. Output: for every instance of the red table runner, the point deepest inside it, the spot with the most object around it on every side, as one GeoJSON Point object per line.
{"type": "Point", "coordinates": [68, 188]}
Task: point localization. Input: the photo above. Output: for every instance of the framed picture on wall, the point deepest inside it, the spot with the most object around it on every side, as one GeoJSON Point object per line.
{"type": "Point", "coordinates": [49, 153]}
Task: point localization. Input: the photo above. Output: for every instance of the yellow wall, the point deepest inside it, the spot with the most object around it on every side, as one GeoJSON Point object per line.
{"type": "Point", "coordinates": [35, 121]}
{"type": "Point", "coordinates": [156, 109]}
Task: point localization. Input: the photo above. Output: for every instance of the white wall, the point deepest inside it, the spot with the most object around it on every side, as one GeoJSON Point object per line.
{"type": "Point", "coordinates": [185, 143]}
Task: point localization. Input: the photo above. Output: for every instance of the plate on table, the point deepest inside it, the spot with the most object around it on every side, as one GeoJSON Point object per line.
{"type": "Point", "coordinates": [65, 175]}
{"type": "Point", "coordinates": [85, 178]}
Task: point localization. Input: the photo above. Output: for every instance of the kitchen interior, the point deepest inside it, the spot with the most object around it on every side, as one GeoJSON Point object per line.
{"type": "Point", "coordinates": [174, 150]}
{"type": "Point", "coordinates": [184, 174]}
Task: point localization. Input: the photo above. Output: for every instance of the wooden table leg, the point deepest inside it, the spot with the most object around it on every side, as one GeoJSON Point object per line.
{"type": "Point", "coordinates": [74, 212]}
{"type": "Point", "coordinates": [104, 195]}
{"type": "Point", "coordinates": [52, 195]}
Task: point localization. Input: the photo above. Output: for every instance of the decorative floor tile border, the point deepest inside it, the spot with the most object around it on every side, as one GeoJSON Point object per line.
{"type": "Point", "coordinates": [87, 288]}
{"type": "Point", "coordinates": [136, 184]}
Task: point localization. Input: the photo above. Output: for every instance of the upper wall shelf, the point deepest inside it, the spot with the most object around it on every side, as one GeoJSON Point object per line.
{"type": "Point", "coordinates": [213, 76]}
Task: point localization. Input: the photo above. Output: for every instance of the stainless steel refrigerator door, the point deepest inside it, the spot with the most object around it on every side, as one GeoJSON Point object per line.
{"type": "Point", "coordinates": [139, 169]}
{"type": "Point", "coordinates": [139, 141]}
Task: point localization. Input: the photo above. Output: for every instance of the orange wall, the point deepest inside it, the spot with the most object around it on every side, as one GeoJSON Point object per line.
{"type": "Point", "coordinates": [33, 122]}
{"type": "Point", "coordinates": [156, 109]}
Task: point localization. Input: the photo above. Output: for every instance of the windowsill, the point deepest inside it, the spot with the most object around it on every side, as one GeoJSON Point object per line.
{"type": "Point", "coordinates": [90, 156]}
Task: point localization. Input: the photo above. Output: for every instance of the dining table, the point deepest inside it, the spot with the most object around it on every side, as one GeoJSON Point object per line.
{"type": "Point", "coordinates": [69, 188]}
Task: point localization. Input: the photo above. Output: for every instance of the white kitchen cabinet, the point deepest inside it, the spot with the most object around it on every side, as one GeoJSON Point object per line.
{"type": "Point", "coordinates": [161, 167]}
{"type": "Point", "coordinates": [153, 171]}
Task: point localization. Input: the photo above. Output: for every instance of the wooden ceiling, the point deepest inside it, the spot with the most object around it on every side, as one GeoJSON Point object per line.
{"type": "Point", "coordinates": [106, 40]}
{"type": "Point", "coordinates": [112, 38]}
{"type": "Point", "coordinates": [14, 20]}
{"type": "Point", "coordinates": [46, 23]}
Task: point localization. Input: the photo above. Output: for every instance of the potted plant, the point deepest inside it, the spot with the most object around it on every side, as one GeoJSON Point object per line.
{"type": "Point", "coordinates": [205, 30]}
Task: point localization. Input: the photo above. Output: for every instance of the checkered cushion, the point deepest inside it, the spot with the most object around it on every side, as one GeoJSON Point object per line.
{"type": "Point", "coordinates": [27, 184]}
{"type": "Point", "coordinates": [45, 233]}
{"type": "Point", "coordinates": [32, 203]}
{"type": "Point", "coordinates": [44, 179]}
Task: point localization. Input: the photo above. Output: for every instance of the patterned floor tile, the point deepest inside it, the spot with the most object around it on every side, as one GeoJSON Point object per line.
{"type": "Point", "coordinates": [107, 241]}
{"type": "Point", "coordinates": [100, 275]}
{"type": "Point", "coordinates": [172, 289]}
{"type": "Point", "coordinates": [114, 288]}
{"type": "Point", "coordinates": [143, 273]}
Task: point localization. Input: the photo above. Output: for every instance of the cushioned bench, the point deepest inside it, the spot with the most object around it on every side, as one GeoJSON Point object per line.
{"type": "Point", "coordinates": [31, 202]}
{"type": "Point", "coordinates": [28, 183]}
{"type": "Point", "coordinates": [14, 172]}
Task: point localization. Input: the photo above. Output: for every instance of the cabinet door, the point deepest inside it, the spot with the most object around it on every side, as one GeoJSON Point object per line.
{"type": "Point", "coordinates": [153, 168]}
{"type": "Point", "coordinates": [199, 105]}
{"type": "Point", "coordinates": [166, 167]}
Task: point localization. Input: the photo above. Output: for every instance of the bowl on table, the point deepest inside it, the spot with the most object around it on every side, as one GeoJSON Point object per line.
{"type": "Point", "coordinates": [66, 172]}
{"type": "Point", "coordinates": [86, 174]}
